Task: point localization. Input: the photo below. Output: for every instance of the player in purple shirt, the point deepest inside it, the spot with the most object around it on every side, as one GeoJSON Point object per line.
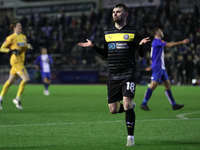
{"type": "Point", "coordinates": [159, 73]}
{"type": "Point", "coordinates": [44, 61]}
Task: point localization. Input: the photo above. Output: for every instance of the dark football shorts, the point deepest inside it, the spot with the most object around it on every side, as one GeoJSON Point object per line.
{"type": "Point", "coordinates": [119, 88]}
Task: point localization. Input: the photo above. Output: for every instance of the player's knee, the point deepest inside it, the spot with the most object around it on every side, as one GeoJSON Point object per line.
{"type": "Point", "coordinates": [128, 106]}
{"type": "Point", "coordinates": [153, 86]}
{"type": "Point", "coordinates": [45, 80]}
{"type": "Point", "coordinates": [27, 80]}
{"type": "Point", "coordinates": [168, 86]}
{"type": "Point", "coordinates": [11, 81]}
{"type": "Point", "coordinates": [113, 110]}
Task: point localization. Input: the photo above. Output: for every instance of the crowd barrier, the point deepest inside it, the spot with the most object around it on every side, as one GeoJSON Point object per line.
{"type": "Point", "coordinates": [74, 77]}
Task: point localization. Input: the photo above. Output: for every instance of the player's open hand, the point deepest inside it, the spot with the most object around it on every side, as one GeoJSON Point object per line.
{"type": "Point", "coordinates": [145, 40]}
{"type": "Point", "coordinates": [29, 46]}
{"type": "Point", "coordinates": [185, 41]}
{"type": "Point", "coordinates": [86, 44]}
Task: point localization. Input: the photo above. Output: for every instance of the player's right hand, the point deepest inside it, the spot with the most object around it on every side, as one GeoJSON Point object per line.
{"type": "Point", "coordinates": [37, 67]}
{"type": "Point", "coordinates": [86, 44]}
{"type": "Point", "coordinates": [185, 41]}
{"type": "Point", "coordinates": [14, 51]}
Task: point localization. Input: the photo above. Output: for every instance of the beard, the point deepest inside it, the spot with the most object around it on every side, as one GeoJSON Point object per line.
{"type": "Point", "coordinates": [117, 20]}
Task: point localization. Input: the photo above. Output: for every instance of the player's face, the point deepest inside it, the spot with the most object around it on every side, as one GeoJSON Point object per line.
{"type": "Point", "coordinates": [160, 33]}
{"type": "Point", "coordinates": [44, 51]}
{"type": "Point", "coordinates": [119, 14]}
{"type": "Point", "coordinates": [18, 28]}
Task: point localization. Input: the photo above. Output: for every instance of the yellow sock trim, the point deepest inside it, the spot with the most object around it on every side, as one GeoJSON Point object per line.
{"type": "Point", "coordinates": [21, 88]}
{"type": "Point", "coordinates": [5, 88]}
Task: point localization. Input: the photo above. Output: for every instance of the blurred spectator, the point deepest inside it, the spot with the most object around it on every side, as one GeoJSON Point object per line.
{"type": "Point", "coordinates": [197, 38]}
{"type": "Point", "coordinates": [198, 69]}
{"type": "Point", "coordinates": [197, 51]}
{"type": "Point", "coordinates": [180, 67]}
{"type": "Point", "coordinates": [47, 29]}
{"type": "Point", "coordinates": [189, 68]}
{"type": "Point", "coordinates": [169, 62]}
{"type": "Point", "coordinates": [83, 19]}
{"type": "Point", "coordinates": [141, 62]}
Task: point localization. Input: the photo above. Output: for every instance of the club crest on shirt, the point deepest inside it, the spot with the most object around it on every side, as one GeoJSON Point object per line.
{"type": "Point", "coordinates": [24, 39]}
{"type": "Point", "coordinates": [126, 36]}
{"type": "Point", "coordinates": [111, 46]}
{"type": "Point", "coordinates": [23, 70]}
{"type": "Point", "coordinates": [162, 41]}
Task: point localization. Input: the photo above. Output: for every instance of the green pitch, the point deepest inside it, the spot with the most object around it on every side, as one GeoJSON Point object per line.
{"type": "Point", "coordinates": [76, 117]}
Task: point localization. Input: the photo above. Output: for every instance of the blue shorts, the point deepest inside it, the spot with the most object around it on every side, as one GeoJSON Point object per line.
{"type": "Point", "coordinates": [46, 75]}
{"type": "Point", "coordinates": [159, 75]}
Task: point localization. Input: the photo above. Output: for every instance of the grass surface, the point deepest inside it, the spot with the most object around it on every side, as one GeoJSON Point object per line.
{"type": "Point", "coordinates": [76, 117]}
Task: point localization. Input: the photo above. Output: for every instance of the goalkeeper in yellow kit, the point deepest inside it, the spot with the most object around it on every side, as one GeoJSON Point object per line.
{"type": "Point", "coordinates": [17, 45]}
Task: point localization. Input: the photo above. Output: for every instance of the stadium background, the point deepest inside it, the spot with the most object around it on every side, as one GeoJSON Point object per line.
{"type": "Point", "coordinates": [60, 25]}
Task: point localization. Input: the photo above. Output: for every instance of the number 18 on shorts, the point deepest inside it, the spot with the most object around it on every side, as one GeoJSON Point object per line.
{"type": "Point", "coordinates": [118, 89]}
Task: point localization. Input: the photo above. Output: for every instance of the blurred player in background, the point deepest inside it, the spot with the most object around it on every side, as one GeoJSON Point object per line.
{"type": "Point", "coordinates": [158, 69]}
{"type": "Point", "coordinates": [44, 61]}
{"type": "Point", "coordinates": [121, 43]}
{"type": "Point", "coordinates": [17, 45]}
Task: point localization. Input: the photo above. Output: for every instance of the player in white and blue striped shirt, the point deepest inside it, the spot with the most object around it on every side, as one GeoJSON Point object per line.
{"type": "Point", "coordinates": [44, 61]}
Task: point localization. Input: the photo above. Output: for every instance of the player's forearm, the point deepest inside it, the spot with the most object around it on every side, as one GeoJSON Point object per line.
{"type": "Point", "coordinates": [141, 51]}
{"type": "Point", "coordinates": [4, 50]}
{"type": "Point", "coordinates": [100, 51]}
{"type": "Point", "coordinates": [174, 44]}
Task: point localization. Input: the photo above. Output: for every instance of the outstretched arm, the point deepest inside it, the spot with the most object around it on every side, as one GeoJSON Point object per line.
{"type": "Point", "coordinates": [141, 46]}
{"type": "Point", "coordinates": [86, 44]}
{"type": "Point", "coordinates": [185, 41]}
{"type": "Point", "coordinates": [103, 52]}
{"type": "Point", "coordinates": [144, 41]}
{"type": "Point", "coordinates": [139, 43]}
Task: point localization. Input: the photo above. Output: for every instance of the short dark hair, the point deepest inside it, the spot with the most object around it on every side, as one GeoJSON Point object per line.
{"type": "Point", "coordinates": [123, 6]}
{"type": "Point", "coordinates": [155, 30]}
{"type": "Point", "coordinates": [13, 24]}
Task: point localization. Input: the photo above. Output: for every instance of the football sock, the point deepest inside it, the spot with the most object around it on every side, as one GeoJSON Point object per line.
{"type": "Point", "coordinates": [130, 121]}
{"type": "Point", "coordinates": [17, 98]}
{"type": "Point", "coordinates": [170, 97]}
{"type": "Point", "coordinates": [130, 137]}
{"type": "Point", "coordinates": [46, 86]}
{"type": "Point", "coordinates": [5, 88]}
{"type": "Point", "coordinates": [1, 98]}
{"type": "Point", "coordinates": [147, 96]}
{"type": "Point", "coordinates": [121, 108]}
{"type": "Point", "coordinates": [21, 88]}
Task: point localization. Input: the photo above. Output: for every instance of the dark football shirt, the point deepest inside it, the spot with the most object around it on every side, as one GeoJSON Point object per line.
{"type": "Point", "coordinates": [120, 47]}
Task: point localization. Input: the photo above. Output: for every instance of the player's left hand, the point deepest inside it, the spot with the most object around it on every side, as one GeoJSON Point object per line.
{"type": "Point", "coordinates": [29, 46]}
{"type": "Point", "coordinates": [145, 40]}
{"type": "Point", "coordinates": [37, 67]}
{"type": "Point", "coordinates": [148, 68]}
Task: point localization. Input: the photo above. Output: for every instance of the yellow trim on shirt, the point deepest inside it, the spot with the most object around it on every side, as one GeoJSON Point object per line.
{"type": "Point", "coordinates": [115, 37]}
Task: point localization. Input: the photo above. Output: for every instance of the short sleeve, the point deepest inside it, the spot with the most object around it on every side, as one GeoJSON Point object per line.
{"type": "Point", "coordinates": [160, 43]}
